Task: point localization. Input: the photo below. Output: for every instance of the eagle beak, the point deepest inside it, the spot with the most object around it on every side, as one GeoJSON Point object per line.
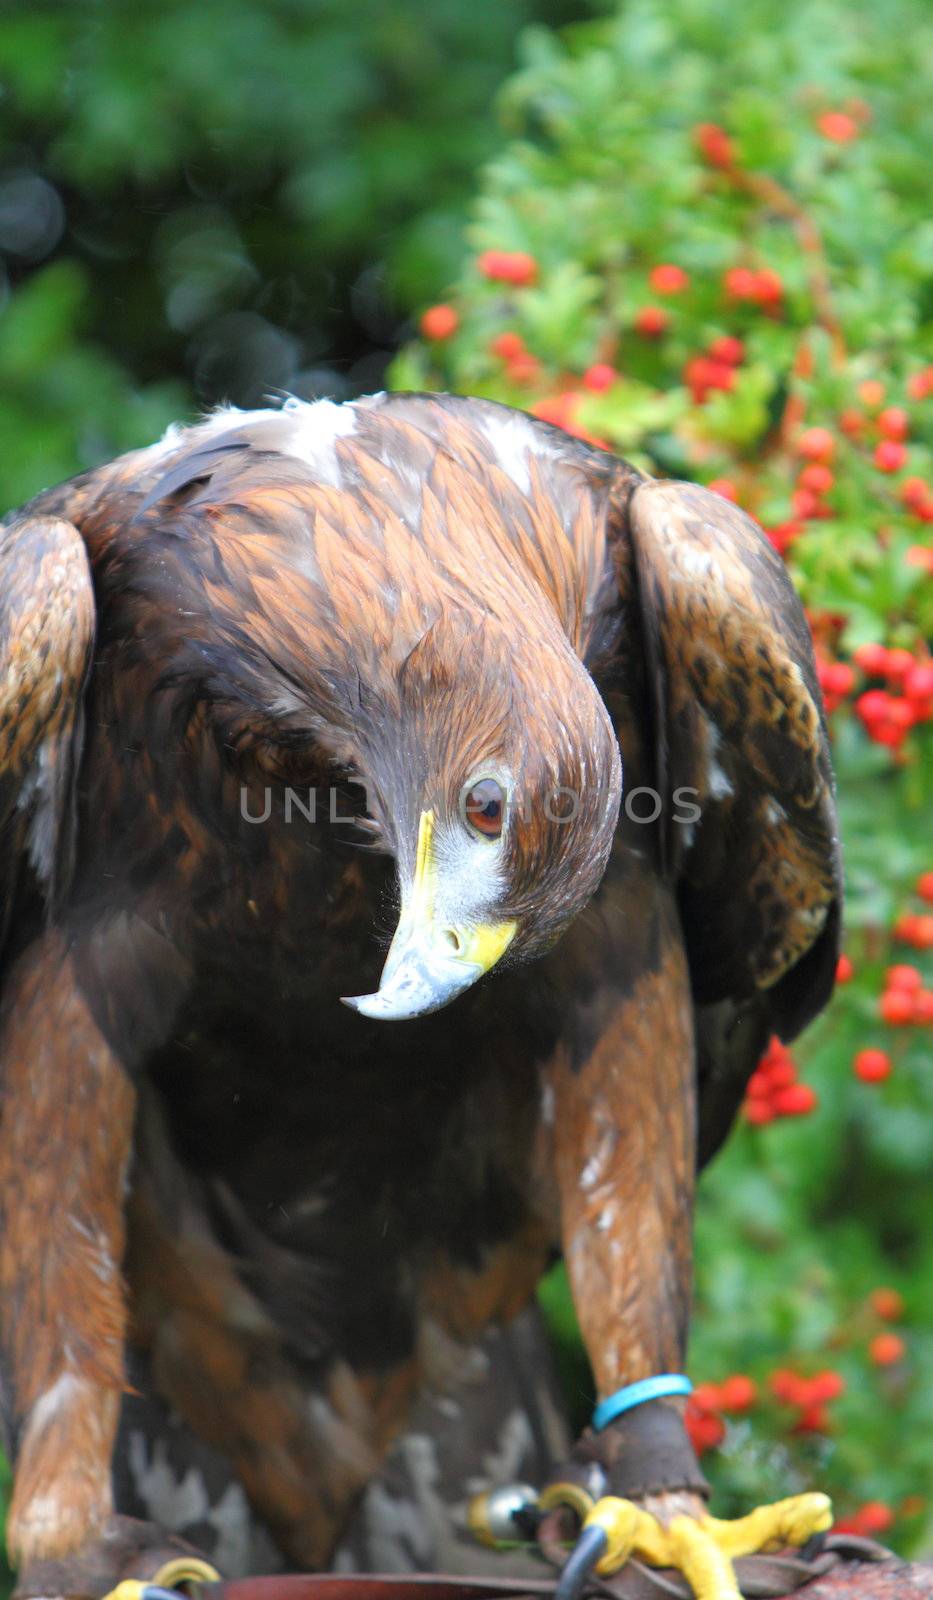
{"type": "Point", "coordinates": [430, 963]}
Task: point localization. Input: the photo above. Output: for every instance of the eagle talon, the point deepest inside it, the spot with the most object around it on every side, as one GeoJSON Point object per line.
{"type": "Point", "coordinates": [701, 1548]}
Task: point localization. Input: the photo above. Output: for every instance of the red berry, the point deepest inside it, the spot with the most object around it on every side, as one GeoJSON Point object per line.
{"type": "Point", "coordinates": [797, 1100]}
{"type": "Point", "coordinates": [838, 126]}
{"type": "Point", "coordinates": [873, 705]}
{"type": "Point", "coordinates": [903, 977]}
{"type": "Point", "coordinates": [721, 376]}
{"type": "Point", "coordinates": [507, 345]}
{"type": "Point", "coordinates": [705, 1431]}
{"type": "Point", "coordinates": [805, 504]}
{"type": "Point", "coordinates": [738, 1393]}
{"type": "Point", "coordinates": [852, 422]}
{"type": "Point", "coordinates": [724, 487]}
{"type": "Point", "coordinates": [872, 1066]}
{"type": "Point", "coordinates": [651, 321]}
{"type": "Point", "coordinates": [812, 1419]}
{"type": "Point", "coordinates": [788, 1387]}
{"type": "Point", "coordinates": [439, 322]}
{"type": "Point", "coordinates": [714, 144]}
{"type": "Point", "coordinates": [915, 930]}
{"type": "Point", "coordinates": [702, 374]}
{"type": "Point", "coordinates": [784, 535]}
{"type": "Point", "coordinates": [897, 665]}
{"type": "Point", "coordinates": [918, 682]}
{"type": "Point", "coordinates": [915, 492]}
{"type": "Point", "coordinates": [893, 422]}
{"type": "Point", "coordinates": [706, 1397]}
{"type": "Point", "coordinates": [924, 886]}
{"type": "Point", "coordinates": [887, 1303]}
{"type": "Point", "coordinates": [901, 715]}
{"type": "Point", "coordinates": [890, 455]}
{"type": "Point", "coordinates": [844, 970]}
{"type": "Point", "coordinates": [600, 377]}
{"type": "Point", "coordinates": [874, 1517]}
{"type": "Point", "coordinates": [741, 283]}
{"type": "Point", "coordinates": [827, 1385]}
{"type": "Point", "coordinates": [508, 266]}
{"type": "Point", "coordinates": [769, 289]}
{"type": "Point", "coordinates": [872, 658]}
{"type": "Point", "coordinates": [780, 1074]}
{"type": "Point", "coordinates": [559, 409]}
{"type": "Point", "coordinates": [816, 444]}
{"type": "Point", "coordinates": [523, 368]}
{"type": "Point", "coordinates": [837, 678]}
{"type": "Point", "coordinates": [871, 393]}
{"type": "Point", "coordinates": [727, 349]}
{"type": "Point", "coordinates": [922, 1008]}
{"type": "Point", "coordinates": [668, 279]}
{"type": "Point", "coordinates": [758, 1113]}
{"type": "Point", "coordinates": [775, 1050]}
{"type": "Point", "coordinates": [920, 384]}
{"type": "Point", "coordinates": [896, 1007]}
{"type": "Point", "coordinates": [818, 477]}
{"type": "Point", "coordinates": [886, 1349]}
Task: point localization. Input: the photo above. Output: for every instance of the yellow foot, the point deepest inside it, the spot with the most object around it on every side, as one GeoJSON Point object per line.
{"type": "Point", "coordinates": [703, 1548]}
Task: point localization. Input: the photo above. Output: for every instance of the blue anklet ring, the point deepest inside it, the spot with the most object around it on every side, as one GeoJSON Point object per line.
{"type": "Point", "coordinates": [635, 1394]}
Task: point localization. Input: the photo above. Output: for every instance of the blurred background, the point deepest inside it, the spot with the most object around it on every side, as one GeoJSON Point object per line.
{"type": "Point", "coordinates": [204, 201]}
{"type": "Point", "coordinates": [700, 235]}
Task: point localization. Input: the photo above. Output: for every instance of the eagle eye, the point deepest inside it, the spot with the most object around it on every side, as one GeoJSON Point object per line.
{"type": "Point", "coordinates": [484, 807]}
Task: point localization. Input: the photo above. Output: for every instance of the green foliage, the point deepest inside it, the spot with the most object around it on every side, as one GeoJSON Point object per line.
{"type": "Point", "coordinates": [779, 157]}
{"type": "Point", "coordinates": [237, 196]}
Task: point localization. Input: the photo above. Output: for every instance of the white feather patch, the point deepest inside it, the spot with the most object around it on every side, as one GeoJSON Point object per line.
{"type": "Point", "coordinates": [513, 440]}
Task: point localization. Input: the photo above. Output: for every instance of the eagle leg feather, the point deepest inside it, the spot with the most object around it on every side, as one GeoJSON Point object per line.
{"type": "Point", "coordinates": [64, 1150]}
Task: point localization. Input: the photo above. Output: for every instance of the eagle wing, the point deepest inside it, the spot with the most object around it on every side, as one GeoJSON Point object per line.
{"type": "Point", "coordinates": [742, 767]}
{"type": "Point", "coordinates": [46, 637]}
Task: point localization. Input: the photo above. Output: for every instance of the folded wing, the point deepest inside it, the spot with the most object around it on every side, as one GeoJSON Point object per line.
{"type": "Point", "coordinates": [46, 637]}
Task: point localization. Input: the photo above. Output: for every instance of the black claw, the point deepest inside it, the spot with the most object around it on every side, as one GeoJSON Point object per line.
{"type": "Point", "coordinates": [813, 1547]}
{"type": "Point", "coordinates": [588, 1549]}
{"type": "Point", "coordinates": [154, 1591]}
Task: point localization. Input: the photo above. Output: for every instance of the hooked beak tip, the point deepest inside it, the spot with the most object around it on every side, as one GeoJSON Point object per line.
{"type": "Point", "coordinates": [368, 1005]}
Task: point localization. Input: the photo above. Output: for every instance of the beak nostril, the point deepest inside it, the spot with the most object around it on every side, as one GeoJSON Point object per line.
{"type": "Point", "coordinates": [451, 938]}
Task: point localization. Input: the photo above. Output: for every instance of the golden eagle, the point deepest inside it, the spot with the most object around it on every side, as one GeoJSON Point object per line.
{"type": "Point", "coordinates": [281, 683]}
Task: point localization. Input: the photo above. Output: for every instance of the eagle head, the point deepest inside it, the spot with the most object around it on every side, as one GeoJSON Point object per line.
{"type": "Point", "coordinates": [495, 774]}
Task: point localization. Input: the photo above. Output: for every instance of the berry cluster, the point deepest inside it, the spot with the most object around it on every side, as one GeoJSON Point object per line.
{"type": "Point", "coordinates": [773, 1090]}
{"type": "Point", "coordinates": [708, 1404]}
{"type": "Point", "coordinates": [904, 999]}
{"type": "Point", "coordinates": [714, 369]}
{"type": "Point", "coordinates": [807, 1397]}
{"type": "Point", "coordinates": [761, 286]}
{"type": "Point", "coordinates": [889, 714]}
